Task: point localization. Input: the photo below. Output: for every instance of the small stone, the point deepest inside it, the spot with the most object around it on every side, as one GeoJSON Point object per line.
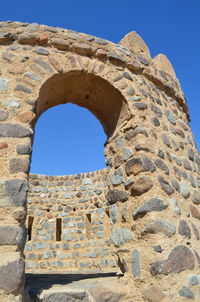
{"type": "Point", "coordinates": [186, 292]}
{"type": "Point", "coordinates": [127, 153]}
{"type": "Point", "coordinates": [176, 186]}
{"type": "Point", "coordinates": [14, 130]}
{"type": "Point", "coordinates": [196, 197]}
{"type": "Point", "coordinates": [115, 58]}
{"type": "Point", "coordinates": [16, 70]}
{"type": "Point", "coordinates": [161, 165]}
{"type": "Point", "coordinates": [134, 99]}
{"type": "Point", "coordinates": [165, 185]}
{"type": "Point", "coordinates": [4, 84]}
{"type": "Point", "coordinates": [23, 88]}
{"type": "Point", "coordinates": [185, 189]}
{"type": "Point", "coordinates": [13, 192]}
{"type": "Point", "coordinates": [33, 26]}
{"type": "Point", "coordinates": [100, 41]}
{"type": "Point", "coordinates": [60, 44]}
{"type": "Point", "coordinates": [127, 76]}
{"type": "Point", "coordinates": [3, 115]}
{"type": "Point", "coordinates": [186, 164]}
{"type": "Point", "coordinates": [130, 91]}
{"type": "Point", "coordinates": [7, 56]}
{"type": "Point", "coordinates": [18, 165]}
{"type": "Point", "coordinates": [27, 38]}
{"type": "Point", "coordinates": [139, 164]}
{"type": "Point", "coordinates": [193, 280]}
{"type": "Point", "coordinates": [141, 186]}
{"type": "Point", "coordinates": [152, 205]}
{"type": "Point", "coordinates": [153, 294]}
{"type": "Point", "coordinates": [119, 236]}
{"type": "Point", "coordinates": [157, 249]}
{"type": "Point", "coordinates": [6, 37]}
{"type": "Point", "coordinates": [113, 213]}
{"type": "Point", "coordinates": [101, 54]}
{"type": "Point", "coordinates": [160, 225]}
{"type": "Point", "coordinates": [43, 64]}
{"type": "Point", "coordinates": [180, 259]}
{"type": "Point", "coordinates": [191, 154]}
{"type": "Point", "coordinates": [184, 229]}
{"type": "Point", "coordinates": [23, 149]}
{"type": "Point", "coordinates": [116, 195]}
{"type": "Point", "coordinates": [140, 106]}
{"type": "Point", "coordinates": [3, 145]}
{"type": "Point", "coordinates": [156, 121]}
{"type": "Point", "coordinates": [41, 51]}
{"type": "Point", "coordinates": [156, 110]}
{"type": "Point", "coordinates": [170, 117]}
{"type": "Point", "coordinates": [12, 103]}
{"type": "Point", "coordinates": [194, 212]}
{"type": "Point", "coordinates": [82, 48]}
{"type": "Point", "coordinates": [174, 206]}
{"type": "Point", "coordinates": [26, 117]}
{"type": "Point", "coordinates": [33, 76]}
{"type": "Point", "coordinates": [43, 39]}
{"type": "Point", "coordinates": [55, 64]}
{"type": "Point", "coordinates": [11, 235]}
{"type": "Point", "coordinates": [195, 230]}
{"type": "Point", "coordinates": [135, 261]}
{"type": "Point", "coordinates": [166, 140]}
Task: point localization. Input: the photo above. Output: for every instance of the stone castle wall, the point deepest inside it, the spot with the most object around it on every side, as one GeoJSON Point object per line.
{"type": "Point", "coordinates": [149, 196]}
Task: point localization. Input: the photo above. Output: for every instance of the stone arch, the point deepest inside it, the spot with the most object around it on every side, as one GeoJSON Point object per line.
{"type": "Point", "coordinates": [151, 185]}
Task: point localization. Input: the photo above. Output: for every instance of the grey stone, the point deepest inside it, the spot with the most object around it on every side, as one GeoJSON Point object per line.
{"type": "Point", "coordinates": [33, 26]}
{"type": "Point", "coordinates": [195, 197]}
{"type": "Point", "coordinates": [116, 195]}
{"type": "Point", "coordinates": [18, 165]}
{"type": "Point", "coordinates": [113, 213]}
{"type": "Point", "coordinates": [117, 177]}
{"type": "Point", "coordinates": [11, 272]}
{"type": "Point", "coordinates": [141, 186]}
{"type": "Point", "coordinates": [23, 88]}
{"type": "Point", "coordinates": [6, 37]}
{"type": "Point", "coordinates": [157, 249]}
{"type": "Point", "coordinates": [12, 103]}
{"type": "Point", "coordinates": [4, 84]}
{"type": "Point", "coordinates": [120, 235]}
{"type": "Point", "coordinates": [166, 140]}
{"type": "Point", "coordinates": [161, 154]}
{"type": "Point", "coordinates": [127, 153]}
{"type": "Point", "coordinates": [152, 205]}
{"type": "Point", "coordinates": [180, 259]}
{"type": "Point", "coordinates": [127, 76]}
{"type": "Point", "coordinates": [160, 225]}
{"type": "Point", "coordinates": [130, 91]}
{"type": "Point", "coordinates": [139, 164]}
{"type": "Point", "coordinates": [11, 235]}
{"type": "Point", "coordinates": [176, 186]}
{"type": "Point", "coordinates": [7, 56]}
{"type": "Point", "coordinates": [161, 165]}
{"type": "Point", "coordinates": [23, 149]}
{"type": "Point", "coordinates": [114, 57]}
{"type": "Point", "coordinates": [13, 192]}
{"type": "Point", "coordinates": [165, 185]}
{"type": "Point", "coordinates": [100, 41]}
{"type": "Point", "coordinates": [195, 230]}
{"type": "Point", "coordinates": [3, 115]}
{"type": "Point", "coordinates": [135, 261]}
{"type": "Point", "coordinates": [191, 154]}
{"type": "Point", "coordinates": [170, 117]}
{"type": "Point", "coordinates": [99, 293]}
{"type": "Point", "coordinates": [184, 229]}
{"type": "Point", "coordinates": [155, 121]}
{"type": "Point", "coordinates": [134, 132]}
{"type": "Point", "coordinates": [134, 99]}
{"type": "Point", "coordinates": [185, 189]}
{"type": "Point", "coordinates": [186, 292]}
{"type": "Point", "coordinates": [140, 106]}
{"type": "Point", "coordinates": [33, 76]}
{"type": "Point", "coordinates": [43, 64]}
{"type": "Point", "coordinates": [174, 206]}
{"type": "Point", "coordinates": [193, 280]}
{"type": "Point", "coordinates": [156, 110]}
{"type": "Point", "coordinates": [41, 51]}
{"type": "Point", "coordinates": [186, 164]}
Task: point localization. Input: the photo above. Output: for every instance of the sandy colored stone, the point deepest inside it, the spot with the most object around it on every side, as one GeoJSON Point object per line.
{"type": "Point", "coordinates": [43, 38]}
{"type": "Point", "coordinates": [136, 44]}
{"type": "Point", "coordinates": [26, 117]}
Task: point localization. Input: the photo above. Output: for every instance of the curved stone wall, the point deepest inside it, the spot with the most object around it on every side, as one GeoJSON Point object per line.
{"type": "Point", "coordinates": [152, 162]}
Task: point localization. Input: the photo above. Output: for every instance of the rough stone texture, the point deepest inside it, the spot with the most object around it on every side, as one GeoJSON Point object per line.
{"type": "Point", "coordinates": [184, 229]}
{"type": "Point", "coordinates": [13, 192]}
{"type": "Point", "coordinates": [181, 258]}
{"type": "Point", "coordinates": [139, 164]}
{"type": "Point", "coordinates": [14, 130]}
{"type": "Point", "coordinates": [154, 204]}
{"type": "Point", "coordinates": [120, 236]}
{"type": "Point", "coordinates": [153, 294]}
{"type": "Point", "coordinates": [116, 195]}
{"type": "Point", "coordinates": [11, 272]}
{"type": "Point", "coordinates": [141, 186]}
{"type": "Point", "coordinates": [11, 235]}
{"type": "Point", "coordinates": [160, 225]}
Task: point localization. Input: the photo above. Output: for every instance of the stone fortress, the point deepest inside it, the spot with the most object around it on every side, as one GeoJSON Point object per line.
{"type": "Point", "coordinates": [140, 216]}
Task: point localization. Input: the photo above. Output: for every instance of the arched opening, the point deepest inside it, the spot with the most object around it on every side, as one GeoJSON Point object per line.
{"type": "Point", "coordinates": [69, 211]}
{"type": "Point", "coordinates": [68, 140]}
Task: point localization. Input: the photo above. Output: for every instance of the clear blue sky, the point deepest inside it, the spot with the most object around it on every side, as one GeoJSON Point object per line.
{"type": "Point", "coordinates": [171, 27]}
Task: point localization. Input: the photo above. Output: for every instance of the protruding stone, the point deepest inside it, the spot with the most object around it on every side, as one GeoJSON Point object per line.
{"type": "Point", "coordinates": [14, 130]}
{"type": "Point", "coordinates": [27, 38]}
{"type": "Point", "coordinates": [186, 292]}
{"type": "Point", "coordinates": [26, 117]}
{"type": "Point", "coordinates": [165, 185]}
{"type": "Point", "coordinates": [23, 149]}
{"type": "Point", "coordinates": [82, 48]}
{"type": "Point", "coordinates": [55, 64]}
{"type": "Point", "coordinates": [135, 261]}
{"type": "Point", "coordinates": [120, 236]}
{"type": "Point", "coordinates": [154, 204]}
{"type": "Point", "coordinates": [3, 115]}
{"type": "Point", "coordinates": [11, 235]}
{"type": "Point", "coordinates": [141, 186]}
{"type": "Point", "coordinates": [139, 164]}
{"type": "Point", "coordinates": [161, 165]}
{"type": "Point", "coordinates": [160, 225]}
{"type": "Point", "coordinates": [136, 44]}
{"type": "Point", "coordinates": [13, 192]}
{"type": "Point", "coordinates": [195, 230]}
{"type": "Point", "coordinates": [184, 229]}
{"type": "Point", "coordinates": [162, 62]}
{"type": "Point", "coordinates": [116, 195]}
{"type": "Point", "coordinates": [19, 165]}
{"type": "Point", "coordinates": [43, 39]}
{"type": "Point", "coordinates": [180, 259]}
{"type": "Point", "coordinates": [154, 294]}
{"type": "Point", "coordinates": [60, 43]}
{"type": "Point", "coordinates": [194, 211]}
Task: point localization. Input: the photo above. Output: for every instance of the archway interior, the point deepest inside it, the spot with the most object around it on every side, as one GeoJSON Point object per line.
{"type": "Point", "coordinates": [85, 90]}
